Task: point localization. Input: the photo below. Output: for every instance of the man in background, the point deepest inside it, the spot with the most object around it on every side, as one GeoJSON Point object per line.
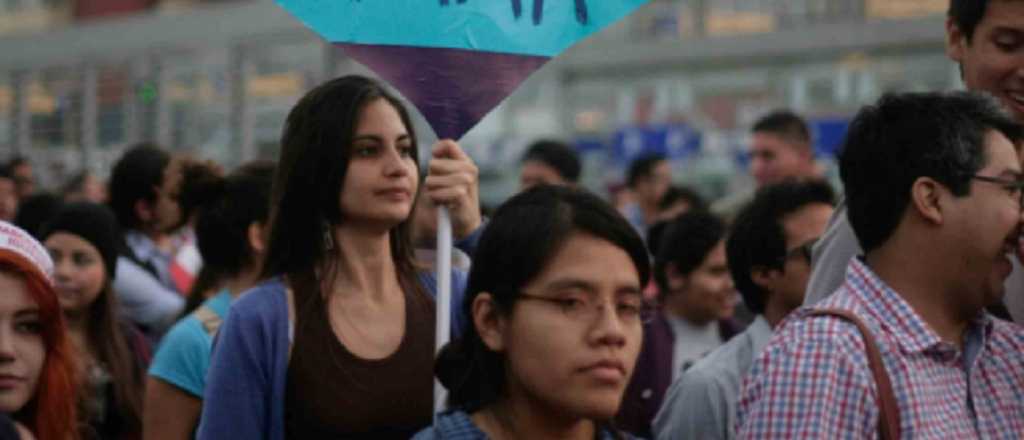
{"type": "Point", "coordinates": [780, 148]}
{"type": "Point", "coordinates": [549, 162]}
{"type": "Point", "coordinates": [769, 257]}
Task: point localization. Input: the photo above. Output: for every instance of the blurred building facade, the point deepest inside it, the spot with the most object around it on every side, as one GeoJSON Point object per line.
{"type": "Point", "coordinates": [82, 79]}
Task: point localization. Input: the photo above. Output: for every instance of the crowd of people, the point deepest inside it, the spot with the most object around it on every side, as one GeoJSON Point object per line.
{"type": "Point", "coordinates": [295, 298]}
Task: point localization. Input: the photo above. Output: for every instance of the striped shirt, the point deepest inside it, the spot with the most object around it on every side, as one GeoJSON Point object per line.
{"type": "Point", "coordinates": [813, 380]}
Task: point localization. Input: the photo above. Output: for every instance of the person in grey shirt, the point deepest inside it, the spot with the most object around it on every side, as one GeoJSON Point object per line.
{"type": "Point", "coordinates": [973, 28]}
{"type": "Point", "coordinates": [144, 188]}
{"type": "Point", "coordinates": [768, 251]}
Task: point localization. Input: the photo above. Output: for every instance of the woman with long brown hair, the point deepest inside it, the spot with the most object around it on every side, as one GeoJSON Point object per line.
{"type": "Point", "coordinates": [37, 368]}
{"type": "Point", "coordinates": [83, 240]}
{"type": "Point", "coordinates": [339, 342]}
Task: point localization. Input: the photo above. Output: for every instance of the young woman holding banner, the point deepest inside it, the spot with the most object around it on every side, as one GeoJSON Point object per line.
{"type": "Point", "coordinates": [554, 302]}
{"type": "Point", "coordinates": [339, 342]}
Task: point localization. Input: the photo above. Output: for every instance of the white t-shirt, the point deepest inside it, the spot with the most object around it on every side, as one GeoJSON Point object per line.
{"type": "Point", "coordinates": [692, 342]}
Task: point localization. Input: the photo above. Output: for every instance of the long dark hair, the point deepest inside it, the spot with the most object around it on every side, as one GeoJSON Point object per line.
{"type": "Point", "coordinates": [519, 242]}
{"type": "Point", "coordinates": [305, 199]}
{"type": "Point", "coordinates": [224, 208]}
{"type": "Point", "coordinates": [105, 332]}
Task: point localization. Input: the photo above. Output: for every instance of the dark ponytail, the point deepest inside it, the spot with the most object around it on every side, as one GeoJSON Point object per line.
{"type": "Point", "coordinates": [224, 207]}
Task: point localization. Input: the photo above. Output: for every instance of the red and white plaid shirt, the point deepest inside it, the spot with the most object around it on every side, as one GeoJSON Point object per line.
{"type": "Point", "coordinates": [813, 380]}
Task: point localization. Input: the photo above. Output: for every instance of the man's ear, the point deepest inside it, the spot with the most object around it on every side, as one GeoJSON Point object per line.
{"type": "Point", "coordinates": [926, 199]}
{"type": "Point", "coordinates": [956, 41]}
{"type": "Point", "coordinates": [489, 322]}
{"type": "Point", "coordinates": [764, 276]}
{"type": "Point", "coordinates": [676, 280]}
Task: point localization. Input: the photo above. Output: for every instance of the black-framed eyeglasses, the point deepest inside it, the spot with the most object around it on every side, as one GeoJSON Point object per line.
{"type": "Point", "coordinates": [1014, 186]}
{"type": "Point", "coordinates": [587, 310]}
{"type": "Point", "coordinates": [804, 251]}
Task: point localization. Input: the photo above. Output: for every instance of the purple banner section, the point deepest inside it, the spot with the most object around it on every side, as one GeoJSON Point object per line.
{"type": "Point", "coordinates": [453, 88]}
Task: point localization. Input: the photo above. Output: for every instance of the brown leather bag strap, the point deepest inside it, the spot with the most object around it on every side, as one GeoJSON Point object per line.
{"type": "Point", "coordinates": [888, 409]}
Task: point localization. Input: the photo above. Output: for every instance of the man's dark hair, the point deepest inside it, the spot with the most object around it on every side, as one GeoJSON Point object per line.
{"type": "Point", "coordinates": [643, 167]}
{"type": "Point", "coordinates": [966, 14]}
{"type": "Point", "coordinates": [785, 124]}
{"type": "Point", "coordinates": [685, 243]}
{"type": "Point", "coordinates": [757, 239]}
{"type": "Point", "coordinates": [136, 176]}
{"type": "Point", "coordinates": [685, 194]}
{"type": "Point", "coordinates": [16, 162]}
{"type": "Point", "coordinates": [557, 155]}
{"type": "Point", "coordinates": [908, 136]}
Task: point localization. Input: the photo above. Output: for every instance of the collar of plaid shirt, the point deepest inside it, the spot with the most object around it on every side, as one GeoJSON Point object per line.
{"type": "Point", "coordinates": [895, 315]}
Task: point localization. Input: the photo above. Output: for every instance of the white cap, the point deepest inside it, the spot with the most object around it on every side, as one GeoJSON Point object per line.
{"type": "Point", "coordinates": [15, 239]}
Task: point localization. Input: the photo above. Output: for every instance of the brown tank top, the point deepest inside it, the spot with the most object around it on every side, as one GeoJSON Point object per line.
{"type": "Point", "coordinates": [333, 394]}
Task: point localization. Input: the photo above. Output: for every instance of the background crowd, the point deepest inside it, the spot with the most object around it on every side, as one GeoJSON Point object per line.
{"type": "Point", "coordinates": [295, 298]}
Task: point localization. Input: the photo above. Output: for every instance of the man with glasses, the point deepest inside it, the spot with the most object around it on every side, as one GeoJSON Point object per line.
{"type": "Point", "coordinates": [905, 348]}
{"type": "Point", "coordinates": [985, 38]}
{"type": "Point", "coordinates": [697, 300]}
{"type": "Point", "coordinates": [768, 252]}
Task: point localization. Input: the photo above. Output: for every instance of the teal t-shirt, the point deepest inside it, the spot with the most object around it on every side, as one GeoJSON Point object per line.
{"type": "Point", "coordinates": [184, 353]}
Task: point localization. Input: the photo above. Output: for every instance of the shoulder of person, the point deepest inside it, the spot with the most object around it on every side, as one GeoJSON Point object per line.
{"type": "Point", "coordinates": [186, 335]}
{"type": "Point", "coordinates": [451, 425]}
{"type": "Point", "coordinates": [1007, 337]}
{"type": "Point", "coordinates": [709, 369]}
{"type": "Point", "coordinates": [264, 302]}
{"type": "Point", "coordinates": [428, 279]}
{"type": "Point", "coordinates": [804, 331]}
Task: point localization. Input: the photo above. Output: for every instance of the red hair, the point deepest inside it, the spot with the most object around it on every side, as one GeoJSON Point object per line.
{"type": "Point", "coordinates": [51, 413]}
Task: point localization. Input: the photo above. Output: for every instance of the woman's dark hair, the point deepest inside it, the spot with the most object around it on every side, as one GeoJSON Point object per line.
{"type": "Point", "coordinates": [75, 184]}
{"type": "Point", "coordinates": [105, 331]}
{"type": "Point", "coordinates": [135, 176]}
{"type": "Point", "coordinates": [524, 235]}
{"type": "Point", "coordinates": [676, 194]}
{"type": "Point", "coordinates": [200, 186]}
{"type": "Point", "coordinates": [643, 167]}
{"type": "Point", "coordinates": [315, 151]}
{"type": "Point", "coordinates": [35, 210]}
{"type": "Point", "coordinates": [685, 243]}
{"type": "Point", "coordinates": [225, 207]}
{"type": "Point", "coordinates": [557, 155]}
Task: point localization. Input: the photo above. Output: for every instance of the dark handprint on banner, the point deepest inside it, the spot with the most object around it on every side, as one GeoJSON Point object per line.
{"type": "Point", "coordinates": [582, 15]}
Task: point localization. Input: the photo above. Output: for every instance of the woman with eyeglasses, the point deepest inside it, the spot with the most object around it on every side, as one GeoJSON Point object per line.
{"type": "Point", "coordinates": [338, 342]}
{"type": "Point", "coordinates": [555, 304]}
